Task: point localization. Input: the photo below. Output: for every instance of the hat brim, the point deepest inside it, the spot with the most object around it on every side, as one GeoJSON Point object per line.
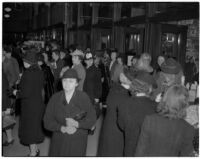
{"type": "Point", "coordinates": [27, 61]}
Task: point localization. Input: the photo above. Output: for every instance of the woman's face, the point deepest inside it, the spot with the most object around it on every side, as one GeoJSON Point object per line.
{"type": "Point", "coordinates": [169, 79]}
{"type": "Point", "coordinates": [75, 60]}
{"type": "Point", "coordinates": [160, 60]}
{"type": "Point", "coordinates": [113, 56]}
{"type": "Point", "coordinates": [26, 65]}
{"type": "Point", "coordinates": [134, 61]}
{"type": "Point", "coordinates": [45, 57]}
{"type": "Point", "coordinates": [69, 84]}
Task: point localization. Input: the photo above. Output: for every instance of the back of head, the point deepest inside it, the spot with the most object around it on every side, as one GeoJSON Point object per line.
{"type": "Point", "coordinates": [174, 102]}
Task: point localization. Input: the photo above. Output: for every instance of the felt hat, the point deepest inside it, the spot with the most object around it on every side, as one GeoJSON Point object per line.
{"type": "Point", "coordinates": [70, 73]}
{"type": "Point", "coordinates": [88, 56]}
{"type": "Point", "coordinates": [170, 66]}
{"type": "Point", "coordinates": [31, 56]}
{"type": "Point", "coordinates": [146, 78]}
{"type": "Point", "coordinates": [129, 73]}
{"type": "Point", "coordinates": [77, 53]}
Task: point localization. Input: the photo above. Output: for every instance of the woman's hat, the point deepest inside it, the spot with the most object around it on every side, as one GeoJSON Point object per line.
{"type": "Point", "coordinates": [31, 56]}
{"type": "Point", "coordinates": [147, 78]}
{"type": "Point", "coordinates": [129, 73]}
{"type": "Point", "coordinates": [88, 56]}
{"type": "Point", "coordinates": [171, 66]}
{"type": "Point", "coordinates": [70, 73]}
{"type": "Point", "coordinates": [77, 53]}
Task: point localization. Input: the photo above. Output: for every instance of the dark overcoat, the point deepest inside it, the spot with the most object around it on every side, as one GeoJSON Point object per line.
{"type": "Point", "coordinates": [49, 82]}
{"type": "Point", "coordinates": [111, 137]}
{"type": "Point", "coordinates": [32, 106]}
{"type": "Point", "coordinates": [130, 119]}
{"type": "Point", "coordinates": [92, 84]}
{"type": "Point", "coordinates": [164, 137]}
{"type": "Point", "coordinates": [6, 101]}
{"type": "Point", "coordinates": [57, 110]}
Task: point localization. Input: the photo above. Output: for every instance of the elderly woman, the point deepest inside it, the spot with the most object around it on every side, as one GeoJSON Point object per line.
{"type": "Point", "coordinates": [171, 73]}
{"type": "Point", "coordinates": [143, 63]}
{"type": "Point", "coordinates": [69, 115]}
{"type": "Point", "coordinates": [132, 113]}
{"type": "Point", "coordinates": [166, 133]}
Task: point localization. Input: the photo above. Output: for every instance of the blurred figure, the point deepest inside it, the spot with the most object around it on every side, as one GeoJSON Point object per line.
{"type": "Point", "coordinates": [57, 66]}
{"type": "Point", "coordinates": [171, 73]}
{"type": "Point", "coordinates": [119, 68]}
{"type": "Point", "coordinates": [48, 78]}
{"type": "Point", "coordinates": [134, 110]}
{"type": "Point", "coordinates": [32, 106]}
{"type": "Point", "coordinates": [111, 140]}
{"type": "Point", "coordinates": [104, 66]}
{"type": "Point", "coordinates": [144, 62]}
{"type": "Point", "coordinates": [113, 64]}
{"type": "Point", "coordinates": [6, 106]}
{"type": "Point", "coordinates": [134, 61]}
{"type": "Point", "coordinates": [92, 84]}
{"type": "Point", "coordinates": [166, 133]}
{"type": "Point", "coordinates": [77, 58]}
{"type": "Point", "coordinates": [10, 66]}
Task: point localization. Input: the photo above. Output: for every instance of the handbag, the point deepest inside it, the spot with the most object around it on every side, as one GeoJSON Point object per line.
{"type": "Point", "coordinates": [8, 122]}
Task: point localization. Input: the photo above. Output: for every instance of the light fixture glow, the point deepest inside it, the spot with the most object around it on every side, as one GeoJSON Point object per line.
{"type": "Point", "coordinates": [7, 9]}
{"type": "Point", "coordinates": [7, 16]}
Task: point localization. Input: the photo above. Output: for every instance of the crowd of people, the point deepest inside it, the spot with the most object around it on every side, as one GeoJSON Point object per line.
{"type": "Point", "coordinates": [62, 92]}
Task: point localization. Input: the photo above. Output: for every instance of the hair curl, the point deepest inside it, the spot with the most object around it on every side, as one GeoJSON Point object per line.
{"type": "Point", "coordinates": [174, 102]}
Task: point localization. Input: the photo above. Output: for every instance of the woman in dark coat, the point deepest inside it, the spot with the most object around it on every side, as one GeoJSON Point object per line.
{"type": "Point", "coordinates": [166, 134]}
{"type": "Point", "coordinates": [48, 78]}
{"type": "Point", "coordinates": [134, 110]}
{"type": "Point", "coordinates": [32, 106]}
{"type": "Point", "coordinates": [111, 140]}
{"type": "Point", "coordinates": [63, 117]}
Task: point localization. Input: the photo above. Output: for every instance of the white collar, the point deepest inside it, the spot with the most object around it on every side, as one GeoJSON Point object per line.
{"type": "Point", "coordinates": [140, 94]}
{"type": "Point", "coordinates": [126, 86]}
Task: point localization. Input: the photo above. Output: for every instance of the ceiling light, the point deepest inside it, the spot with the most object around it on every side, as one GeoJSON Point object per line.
{"type": "Point", "coordinates": [7, 9]}
{"type": "Point", "coordinates": [7, 16]}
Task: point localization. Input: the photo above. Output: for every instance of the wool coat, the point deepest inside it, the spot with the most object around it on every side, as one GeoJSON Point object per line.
{"type": "Point", "coordinates": [57, 110]}
{"type": "Point", "coordinates": [130, 119]}
{"type": "Point", "coordinates": [92, 84]}
{"type": "Point", "coordinates": [49, 82]}
{"type": "Point", "coordinates": [32, 106]}
{"type": "Point", "coordinates": [6, 101]}
{"type": "Point", "coordinates": [111, 137]}
{"type": "Point", "coordinates": [11, 69]}
{"type": "Point", "coordinates": [164, 137]}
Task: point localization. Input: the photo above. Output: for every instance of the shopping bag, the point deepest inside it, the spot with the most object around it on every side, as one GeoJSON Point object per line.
{"type": "Point", "coordinates": [8, 122]}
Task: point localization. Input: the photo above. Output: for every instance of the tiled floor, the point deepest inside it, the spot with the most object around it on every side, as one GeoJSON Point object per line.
{"type": "Point", "coordinates": [18, 149]}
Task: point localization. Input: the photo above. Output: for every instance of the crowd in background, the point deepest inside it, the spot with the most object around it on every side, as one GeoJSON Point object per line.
{"type": "Point", "coordinates": [147, 110]}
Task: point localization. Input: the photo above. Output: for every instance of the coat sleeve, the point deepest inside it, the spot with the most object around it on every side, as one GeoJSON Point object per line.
{"type": "Point", "coordinates": [143, 139]}
{"type": "Point", "coordinates": [132, 131]}
{"type": "Point", "coordinates": [90, 118]}
{"type": "Point", "coordinates": [25, 89]}
{"type": "Point", "coordinates": [50, 122]}
{"type": "Point", "coordinates": [97, 85]}
{"type": "Point", "coordinates": [187, 148]}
